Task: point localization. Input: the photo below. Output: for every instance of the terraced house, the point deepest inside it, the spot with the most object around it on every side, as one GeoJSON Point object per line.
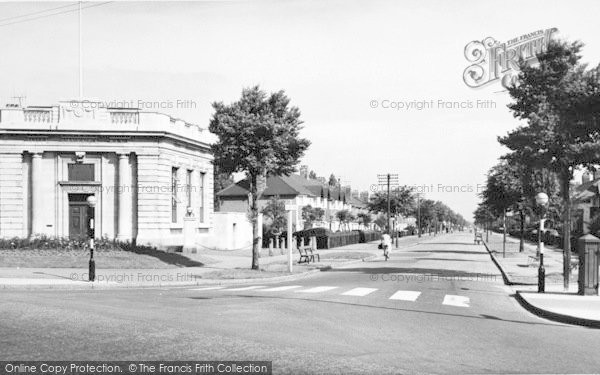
{"type": "Point", "coordinates": [298, 191]}
{"type": "Point", "coordinates": [149, 173]}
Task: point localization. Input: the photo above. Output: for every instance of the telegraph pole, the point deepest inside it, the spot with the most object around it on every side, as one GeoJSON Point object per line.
{"type": "Point", "coordinates": [388, 179]}
{"type": "Point", "coordinates": [388, 208]}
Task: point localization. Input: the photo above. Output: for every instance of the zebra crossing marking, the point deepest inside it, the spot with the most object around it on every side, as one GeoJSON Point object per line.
{"type": "Point", "coordinates": [402, 295]}
{"type": "Point", "coordinates": [317, 289]}
{"type": "Point", "coordinates": [359, 292]}
{"type": "Point", "coordinates": [459, 301]}
{"type": "Point", "coordinates": [246, 288]}
{"type": "Point", "coordinates": [281, 288]}
{"type": "Point", "coordinates": [406, 295]}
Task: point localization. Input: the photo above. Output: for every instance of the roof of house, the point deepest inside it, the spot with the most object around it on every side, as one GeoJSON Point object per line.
{"type": "Point", "coordinates": [276, 185]}
{"type": "Point", "coordinates": [357, 202]}
{"type": "Point", "coordinates": [290, 185]}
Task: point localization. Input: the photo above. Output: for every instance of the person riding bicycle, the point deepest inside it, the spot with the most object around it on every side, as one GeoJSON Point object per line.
{"type": "Point", "coordinates": [386, 243]}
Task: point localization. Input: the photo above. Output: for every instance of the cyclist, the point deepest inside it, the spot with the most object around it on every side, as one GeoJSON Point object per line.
{"type": "Point", "coordinates": [386, 242]}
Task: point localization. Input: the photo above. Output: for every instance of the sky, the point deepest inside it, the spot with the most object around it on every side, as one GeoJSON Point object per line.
{"type": "Point", "coordinates": [341, 62]}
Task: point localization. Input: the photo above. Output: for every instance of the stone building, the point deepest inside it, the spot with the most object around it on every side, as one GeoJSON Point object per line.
{"type": "Point", "coordinates": [149, 173]}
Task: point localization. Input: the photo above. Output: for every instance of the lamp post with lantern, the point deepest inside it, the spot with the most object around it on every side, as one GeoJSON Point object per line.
{"type": "Point", "coordinates": [542, 200]}
{"type": "Point", "coordinates": [91, 201]}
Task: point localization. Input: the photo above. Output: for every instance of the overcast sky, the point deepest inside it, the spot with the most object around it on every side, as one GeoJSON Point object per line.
{"type": "Point", "coordinates": [333, 58]}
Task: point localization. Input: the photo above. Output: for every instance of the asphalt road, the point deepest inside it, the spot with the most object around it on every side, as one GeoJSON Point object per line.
{"type": "Point", "coordinates": [437, 307]}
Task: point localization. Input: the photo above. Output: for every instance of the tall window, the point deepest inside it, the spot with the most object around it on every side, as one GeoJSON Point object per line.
{"type": "Point", "coordinates": [188, 187]}
{"type": "Point", "coordinates": [174, 194]}
{"type": "Point", "coordinates": [201, 200]}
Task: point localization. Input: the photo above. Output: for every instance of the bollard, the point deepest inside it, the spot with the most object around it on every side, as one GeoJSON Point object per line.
{"type": "Point", "coordinates": [588, 248]}
{"type": "Point", "coordinates": [270, 247]}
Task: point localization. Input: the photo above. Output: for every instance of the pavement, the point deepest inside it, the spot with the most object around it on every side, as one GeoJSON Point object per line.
{"type": "Point", "coordinates": [438, 307]}
{"type": "Point", "coordinates": [273, 269]}
{"type": "Point", "coordinates": [520, 270]}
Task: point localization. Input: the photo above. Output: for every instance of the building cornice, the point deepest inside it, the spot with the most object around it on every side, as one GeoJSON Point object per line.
{"type": "Point", "coordinates": [115, 136]}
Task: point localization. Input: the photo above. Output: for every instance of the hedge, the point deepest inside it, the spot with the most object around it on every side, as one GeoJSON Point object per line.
{"type": "Point", "coordinates": [327, 239]}
{"type": "Point", "coordinates": [368, 235]}
{"type": "Point", "coordinates": [548, 238]}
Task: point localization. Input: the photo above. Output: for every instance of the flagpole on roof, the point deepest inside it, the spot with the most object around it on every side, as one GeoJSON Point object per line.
{"type": "Point", "coordinates": [80, 57]}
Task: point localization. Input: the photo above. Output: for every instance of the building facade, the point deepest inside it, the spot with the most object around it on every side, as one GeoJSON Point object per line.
{"type": "Point", "coordinates": [147, 170]}
{"type": "Point", "coordinates": [296, 191]}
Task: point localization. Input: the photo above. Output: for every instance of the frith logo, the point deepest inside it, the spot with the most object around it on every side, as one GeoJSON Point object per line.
{"type": "Point", "coordinates": [493, 61]}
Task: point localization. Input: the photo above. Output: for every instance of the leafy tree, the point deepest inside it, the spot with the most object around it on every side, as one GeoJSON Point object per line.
{"type": "Point", "coordinates": [365, 219]}
{"type": "Point", "coordinates": [312, 175]}
{"type": "Point", "coordinates": [560, 101]}
{"type": "Point", "coordinates": [333, 181]}
{"type": "Point", "coordinates": [274, 210]}
{"type": "Point", "coordinates": [402, 201]}
{"type": "Point", "coordinates": [504, 191]}
{"type": "Point", "coordinates": [483, 215]}
{"type": "Point", "coordinates": [381, 222]}
{"type": "Point", "coordinates": [426, 212]}
{"type": "Point", "coordinates": [258, 135]}
{"type": "Point", "coordinates": [344, 217]}
{"type": "Point", "coordinates": [311, 214]}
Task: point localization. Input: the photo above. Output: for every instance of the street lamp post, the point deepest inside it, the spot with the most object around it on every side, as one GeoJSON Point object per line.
{"type": "Point", "coordinates": [541, 199]}
{"type": "Point", "coordinates": [504, 234]}
{"type": "Point", "coordinates": [419, 215]}
{"type": "Point", "coordinates": [91, 201]}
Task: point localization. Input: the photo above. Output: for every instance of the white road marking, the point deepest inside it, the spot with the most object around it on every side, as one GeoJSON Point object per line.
{"type": "Point", "coordinates": [246, 288]}
{"type": "Point", "coordinates": [361, 292]}
{"type": "Point", "coordinates": [459, 301]}
{"type": "Point", "coordinates": [317, 289]}
{"type": "Point", "coordinates": [281, 288]}
{"type": "Point", "coordinates": [406, 295]}
{"type": "Point", "coordinates": [209, 288]}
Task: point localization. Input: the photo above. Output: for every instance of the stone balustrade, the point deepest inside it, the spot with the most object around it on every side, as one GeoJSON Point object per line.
{"type": "Point", "coordinates": [38, 115]}
{"type": "Point", "coordinates": [93, 116]}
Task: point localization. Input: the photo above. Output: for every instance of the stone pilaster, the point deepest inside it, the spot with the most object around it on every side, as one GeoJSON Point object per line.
{"type": "Point", "coordinates": [37, 193]}
{"type": "Point", "coordinates": [125, 192]}
{"type": "Point", "coordinates": [12, 196]}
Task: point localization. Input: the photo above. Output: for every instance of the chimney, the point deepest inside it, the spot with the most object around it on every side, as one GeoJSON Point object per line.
{"type": "Point", "coordinates": [586, 177]}
{"type": "Point", "coordinates": [304, 171]}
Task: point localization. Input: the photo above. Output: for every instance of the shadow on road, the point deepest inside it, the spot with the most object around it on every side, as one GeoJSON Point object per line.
{"type": "Point", "coordinates": [169, 258]}
{"type": "Point", "coordinates": [450, 259]}
{"type": "Point", "coordinates": [428, 271]}
{"type": "Point", "coordinates": [480, 316]}
{"type": "Point", "coordinates": [447, 243]}
{"type": "Point", "coordinates": [450, 252]}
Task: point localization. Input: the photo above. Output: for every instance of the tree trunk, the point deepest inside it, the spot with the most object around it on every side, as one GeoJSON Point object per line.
{"type": "Point", "coordinates": [566, 230]}
{"type": "Point", "coordinates": [522, 229]}
{"type": "Point", "coordinates": [254, 217]}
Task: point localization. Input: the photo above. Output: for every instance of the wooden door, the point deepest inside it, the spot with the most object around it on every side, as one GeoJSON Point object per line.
{"type": "Point", "coordinates": [77, 220]}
